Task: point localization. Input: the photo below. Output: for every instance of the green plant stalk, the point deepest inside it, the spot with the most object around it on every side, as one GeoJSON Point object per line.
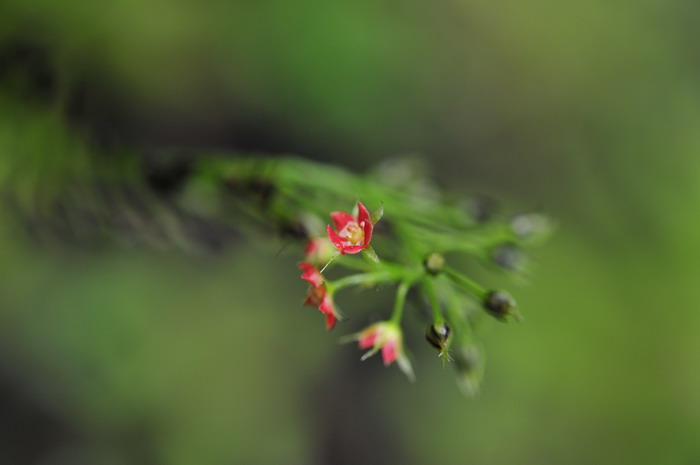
{"type": "Point", "coordinates": [431, 293]}
{"type": "Point", "coordinates": [467, 284]}
{"type": "Point", "coordinates": [400, 302]}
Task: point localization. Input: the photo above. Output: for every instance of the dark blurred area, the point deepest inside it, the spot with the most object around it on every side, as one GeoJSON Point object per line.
{"type": "Point", "coordinates": [135, 327]}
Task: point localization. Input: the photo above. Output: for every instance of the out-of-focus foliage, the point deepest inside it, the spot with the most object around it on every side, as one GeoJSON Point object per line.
{"type": "Point", "coordinates": [128, 354]}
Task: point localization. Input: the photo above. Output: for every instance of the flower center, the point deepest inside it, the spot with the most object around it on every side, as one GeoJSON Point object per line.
{"type": "Point", "coordinates": [315, 295]}
{"type": "Point", "coordinates": [352, 232]}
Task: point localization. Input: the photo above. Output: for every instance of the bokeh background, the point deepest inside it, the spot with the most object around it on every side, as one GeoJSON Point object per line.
{"type": "Point", "coordinates": [142, 352]}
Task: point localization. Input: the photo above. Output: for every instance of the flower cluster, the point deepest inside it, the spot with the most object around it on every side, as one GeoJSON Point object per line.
{"type": "Point", "coordinates": [318, 294]}
{"type": "Point", "coordinates": [351, 233]}
{"type": "Point", "coordinates": [417, 251]}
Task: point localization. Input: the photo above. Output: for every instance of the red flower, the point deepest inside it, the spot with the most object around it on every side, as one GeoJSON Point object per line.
{"type": "Point", "coordinates": [353, 234]}
{"type": "Point", "coordinates": [387, 337]}
{"type": "Point", "coordinates": [318, 295]}
{"type": "Point", "coordinates": [311, 274]}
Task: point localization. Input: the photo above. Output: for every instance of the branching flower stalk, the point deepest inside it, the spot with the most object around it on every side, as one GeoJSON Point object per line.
{"type": "Point", "coordinates": [389, 227]}
{"type": "Point", "coordinates": [404, 239]}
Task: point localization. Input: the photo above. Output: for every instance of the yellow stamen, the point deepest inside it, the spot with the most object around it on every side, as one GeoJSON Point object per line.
{"type": "Point", "coordinates": [352, 232]}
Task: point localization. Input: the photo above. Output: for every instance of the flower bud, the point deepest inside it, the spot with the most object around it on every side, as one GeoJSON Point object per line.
{"type": "Point", "coordinates": [469, 368]}
{"type": "Point", "coordinates": [499, 304]}
{"type": "Point", "coordinates": [438, 335]}
{"type": "Point", "coordinates": [508, 256]}
{"type": "Point", "coordinates": [531, 226]}
{"type": "Point", "coordinates": [434, 263]}
{"type": "Point", "coordinates": [481, 208]}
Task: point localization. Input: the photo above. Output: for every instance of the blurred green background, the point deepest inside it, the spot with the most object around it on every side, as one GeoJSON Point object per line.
{"type": "Point", "coordinates": [588, 111]}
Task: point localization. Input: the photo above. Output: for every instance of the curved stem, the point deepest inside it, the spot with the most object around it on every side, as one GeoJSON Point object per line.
{"type": "Point", "coordinates": [400, 301]}
{"type": "Point", "coordinates": [466, 283]}
{"type": "Point", "coordinates": [360, 279]}
{"type": "Point", "coordinates": [431, 294]}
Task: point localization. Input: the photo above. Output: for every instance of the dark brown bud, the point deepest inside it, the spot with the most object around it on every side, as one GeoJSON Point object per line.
{"type": "Point", "coordinates": [482, 208]}
{"type": "Point", "coordinates": [508, 256]}
{"type": "Point", "coordinates": [438, 336]}
{"type": "Point", "coordinates": [499, 304]}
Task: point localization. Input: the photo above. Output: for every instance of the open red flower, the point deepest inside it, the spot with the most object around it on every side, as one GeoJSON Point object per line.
{"type": "Point", "coordinates": [351, 235]}
{"type": "Point", "coordinates": [387, 337]}
{"type": "Point", "coordinates": [318, 295]}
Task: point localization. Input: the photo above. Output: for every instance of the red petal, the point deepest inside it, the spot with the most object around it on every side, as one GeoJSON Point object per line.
{"type": "Point", "coordinates": [327, 309]}
{"type": "Point", "coordinates": [340, 219]}
{"type": "Point", "coordinates": [305, 266]}
{"type": "Point", "coordinates": [311, 247]}
{"type": "Point", "coordinates": [363, 214]}
{"type": "Point", "coordinates": [330, 321]}
{"type": "Point", "coordinates": [389, 352]}
{"type": "Point", "coordinates": [367, 227]}
{"type": "Point", "coordinates": [335, 239]}
{"type": "Point", "coordinates": [368, 341]}
{"type": "Point", "coordinates": [352, 249]}
{"type": "Point", "coordinates": [365, 222]}
{"type": "Point", "coordinates": [311, 274]}
{"type": "Point", "coordinates": [326, 306]}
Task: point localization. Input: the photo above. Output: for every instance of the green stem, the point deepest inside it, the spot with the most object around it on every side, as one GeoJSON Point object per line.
{"type": "Point", "coordinates": [361, 279]}
{"type": "Point", "coordinates": [431, 294]}
{"type": "Point", "coordinates": [400, 301]}
{"type": "Point", "coordinates": [354, 264]}
{"type": "Point", "coordinates": [466, 283]}
{"type": "Point", "coordinates": [462, 326]}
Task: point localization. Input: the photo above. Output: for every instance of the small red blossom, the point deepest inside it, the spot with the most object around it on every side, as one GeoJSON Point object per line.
{"type": "Point", "coordinates": [318, 295]}
{"type": "Point", "coordinates": [387, 337]}
{"type": "Point", "coordinates": [351, 235]}
{"type": "Point", "coordinates": [311, 274]}
{"type": "Point", "coordinates": [318, 251]}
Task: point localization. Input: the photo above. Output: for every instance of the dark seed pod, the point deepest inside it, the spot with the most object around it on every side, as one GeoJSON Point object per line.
{"type": "Point", "coordinates": [482, 208]}
{"type": "Point", "coordinates": [438, 336]}
{"type": "Point", "coordinates": [508, 256]}
{"type": "Point", "coordinates": [499, 304]}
